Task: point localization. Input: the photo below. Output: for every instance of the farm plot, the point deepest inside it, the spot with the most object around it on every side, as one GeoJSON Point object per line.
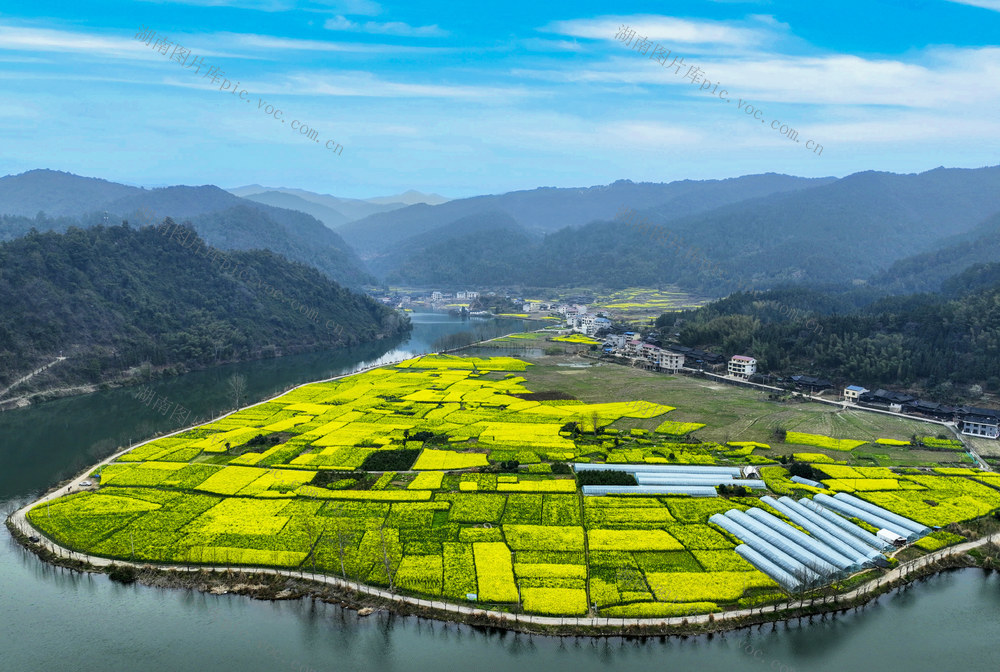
{"type": "Point", "coordinates": [486, 513]}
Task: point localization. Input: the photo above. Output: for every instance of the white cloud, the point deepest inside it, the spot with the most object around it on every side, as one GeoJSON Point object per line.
{"type": "Point", "coordinates": [942, 78]}
{"type": "Point", "coordinates": [17, 38]}
{"type": "Point", "coordinates": [656, 27]}
{"type": "Point", "coordinates": [362, 7]}
{"type": "Point", "coordinates": [985, 4]}
{"type": "Point", "coordinates": [890, 126]}
{"type": "Point", "coordinates": [293, 44]}
{"type": "Point", "coordinates": [20, 38]}
{"type": "Point", "coordinates": [538, 44]}
{"type": "Point", "coordinates": [389, 28]}
{"type": "Point", "coordinates": [366, 84]}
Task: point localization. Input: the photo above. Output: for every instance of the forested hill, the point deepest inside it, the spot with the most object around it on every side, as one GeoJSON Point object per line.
{"type": "Point", "coordinates": [714, 239]}
{"type": "Point", "coordinates": [927, 271]}
{"type": "Point", "coordinates": [115, 298]}
{"type": "Point", "coordinates": [928, 341]}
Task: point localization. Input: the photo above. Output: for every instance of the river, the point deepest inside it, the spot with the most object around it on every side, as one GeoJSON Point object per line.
{"type": "Point", "coordinates": [53, 619]}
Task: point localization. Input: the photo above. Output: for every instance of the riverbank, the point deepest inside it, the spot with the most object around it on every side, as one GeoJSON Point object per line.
{"type": "Point", "coordinates": [275, 584]}
{"type": "Point", "coordinates": [131, 377]}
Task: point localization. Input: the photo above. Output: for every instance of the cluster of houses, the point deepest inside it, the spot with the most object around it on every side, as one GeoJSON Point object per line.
{"type": "Point", "coordinates": [671, 359]}
{"type": "Point", "coordinates": [457, 296]}
{"type": "Point", "coordinates": [564, 309]}
{"type": "Point", "coordinates": [587, 324]}
{"type": "Point", "coordinates": [972, 421]}
{"type": "Point", "coordinates": [433, 299]}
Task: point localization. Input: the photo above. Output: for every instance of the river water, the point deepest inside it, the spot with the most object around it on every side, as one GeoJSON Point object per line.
{"type": "Point", "coordinates": [53, 619]}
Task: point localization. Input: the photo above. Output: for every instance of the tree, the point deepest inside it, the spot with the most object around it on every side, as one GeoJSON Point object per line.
{"type": "Point", "coordinates": [387, 559]}
{"type": "Point", "coordinates": [238, 388]}
{"type": "Point", "coordinates": [595, 419]}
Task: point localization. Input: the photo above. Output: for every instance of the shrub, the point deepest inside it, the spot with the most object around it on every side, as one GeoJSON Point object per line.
{"type": "Point", "coordinates": [802, 470]}
{"type": "Point", "coordinates": [561, 468]}
{"type": "Point", "coordinates": [122, 573]}
{"type": "Point", "coordinates": [605, 478]}
{"type": "Point", "coordinates": [400, 459]}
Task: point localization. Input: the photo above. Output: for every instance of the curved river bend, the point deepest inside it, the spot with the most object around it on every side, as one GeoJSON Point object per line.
{"type": "Point", "coordinates": [53, 619]}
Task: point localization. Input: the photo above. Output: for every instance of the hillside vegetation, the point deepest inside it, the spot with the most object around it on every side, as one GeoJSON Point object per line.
{"type": "Point", "coordinates": [114, 298]}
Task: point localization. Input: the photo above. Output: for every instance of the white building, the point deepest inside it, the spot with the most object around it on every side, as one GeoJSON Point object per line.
{"type": "Point", "coordinates": [669, 361]}
{"type": "Point", "coordinates": [436, 296]}
{"type": "Point", "coordinates": [615, 341]}
{"type": "Point", "coordinates": [467, 296]}
{"type": "Point", "coordinates": [590, 324]}
{"type": "Point", "coordinates": [852, 392]}
{"type": "Point", "coordinates": [741, 366]}
{"type": "Point", "coordinates": [983, 426]}
{"type": "Point", "coordinates": [633, 348]}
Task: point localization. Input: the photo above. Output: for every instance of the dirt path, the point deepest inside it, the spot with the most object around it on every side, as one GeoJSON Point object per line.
{"type": "Point", "coordinates": [29, 376]}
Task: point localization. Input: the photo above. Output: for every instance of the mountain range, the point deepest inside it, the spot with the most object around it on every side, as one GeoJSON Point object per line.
{"type": "Point", "coordinates": [712, 236]}
{"type": "Point", "coordinates": [897, 233]}
{"type": "Point", "coordinates": [225, 221]}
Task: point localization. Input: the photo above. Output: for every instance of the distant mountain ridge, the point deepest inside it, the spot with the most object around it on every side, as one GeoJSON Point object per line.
{"type": "Point", "coordinates": [224, 220]}
{"type": "Point", "coordinates": [409, 197]}
{"type": "Point", "coordinates": [928, 271]}
{"type": "Point", "coordinates": [708, 236]}
{"type": "Point", "coordinates": [711, 237]}
{"type": "Point", "coordinates": [549, 209]}
{"type": "Point", "coordinates": [350, 209]}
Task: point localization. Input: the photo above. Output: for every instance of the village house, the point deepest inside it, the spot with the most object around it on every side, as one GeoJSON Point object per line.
{"type": "Point", "coordinates": [880, 398]}
{"type": "Point", "coordinates": [695, 358]}
{"type": "Point", "coordinates": [741, 366]}
{"type": "Point", "coordinates": [810, 383]}
{"type": "Point", "coordinates": [981, 422]}
{"type": "Point", "coordinates": [669, 361]}
{"type": "Point", "coordinates": [852, 392]}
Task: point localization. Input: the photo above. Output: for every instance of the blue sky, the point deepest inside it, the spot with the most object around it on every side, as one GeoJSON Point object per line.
{"type": "Point", "coordinates": [469, 98]}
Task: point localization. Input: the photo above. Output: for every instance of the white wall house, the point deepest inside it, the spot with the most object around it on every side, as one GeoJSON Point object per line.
{"type": "Point", "coordinates": [982, 426]}
{"type": "Point", "coordinates": [616, 341]}
{"type": "Point", "coordinates": [670, 361]}
{"type": "Point", "coordinates": [741, 366]}
{"type": "Point", "coordinates": [852, 392]}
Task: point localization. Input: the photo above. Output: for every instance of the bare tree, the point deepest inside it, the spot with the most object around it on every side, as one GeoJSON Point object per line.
{"type": "Point", "coordinates": [238, 387]}
{"type": "Point", "coordinates": [386, 559]}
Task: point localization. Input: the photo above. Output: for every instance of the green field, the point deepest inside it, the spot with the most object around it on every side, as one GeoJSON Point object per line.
{"type": "Point", "coordinates": [445, 476]}
{"type": "Point", "coordinates": [733, 413]}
